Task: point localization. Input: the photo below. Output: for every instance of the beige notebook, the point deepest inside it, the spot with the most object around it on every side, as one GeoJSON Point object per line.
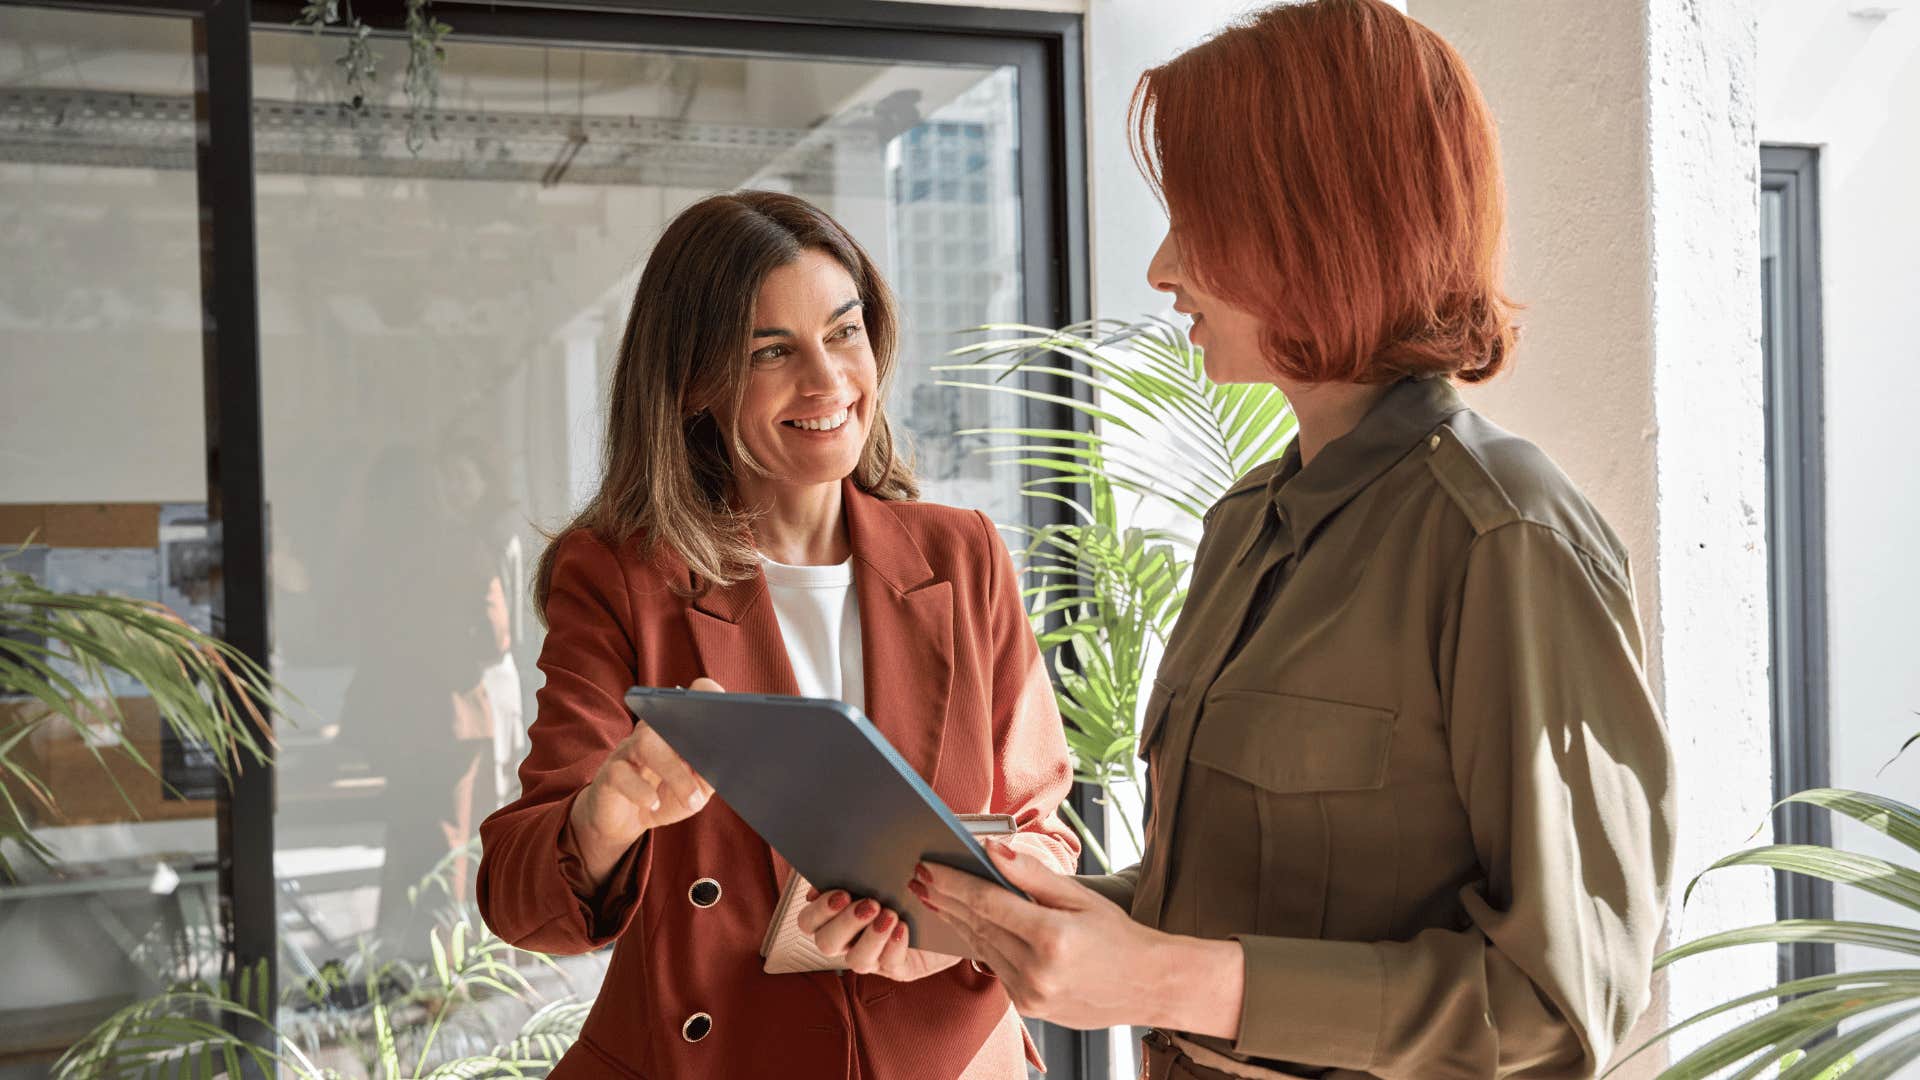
{"type": "Point", "coordinates": [788, 950]}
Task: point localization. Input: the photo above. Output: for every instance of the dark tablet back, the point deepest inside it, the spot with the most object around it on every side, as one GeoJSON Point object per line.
{"type": "Point", "coordinates": [821, 785]}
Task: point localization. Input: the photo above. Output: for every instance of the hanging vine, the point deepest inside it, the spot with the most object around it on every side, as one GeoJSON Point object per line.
{"type": "Point", "coordinates": [359, 64]}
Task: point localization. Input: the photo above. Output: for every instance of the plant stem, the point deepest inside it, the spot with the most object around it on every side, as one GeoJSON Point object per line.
{"type": "Point", "coordinates": [1086, 837]}
{"type": "Point", "coordinates": [446, 1006]}
{"type": "Point", "coordinates": [1133, 835]}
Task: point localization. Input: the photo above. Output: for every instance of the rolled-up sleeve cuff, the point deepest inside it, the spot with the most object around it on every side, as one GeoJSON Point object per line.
{"type": "Point", "coordinates": [1310, 1000]}
{"type": "Point", "coordinates": [605, 911]}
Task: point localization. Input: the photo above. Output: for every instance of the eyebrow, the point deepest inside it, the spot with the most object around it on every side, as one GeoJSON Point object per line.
{"type": "Point", "coordinates": [775, 331]}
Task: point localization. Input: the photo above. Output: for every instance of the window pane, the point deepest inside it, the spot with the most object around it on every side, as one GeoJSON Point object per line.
{"type": "Point", "coordinates": [438, 328]}
{"type": "Point", "coordinates": [103, 463]}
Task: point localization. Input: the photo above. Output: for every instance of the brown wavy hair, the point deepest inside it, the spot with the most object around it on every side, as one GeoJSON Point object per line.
{"type": "Point", "coordinates": [666, 481]}
{"type": "Point", "coordinates": [1331, 167]}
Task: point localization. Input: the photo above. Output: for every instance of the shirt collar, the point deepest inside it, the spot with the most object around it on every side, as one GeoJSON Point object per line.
{"type": "Point", "coordinates": [1306, 498]}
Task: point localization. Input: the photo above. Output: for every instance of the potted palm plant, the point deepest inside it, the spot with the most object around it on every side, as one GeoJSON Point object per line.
{"type": "Point", "coordinates": [56, 650]}
{"type": "Point", "coordinates": [1105, 584]}
{"type": "Point", "coordinates": [393, 1011]}
{"type": "Point", "coordinates": [1865, 1024]}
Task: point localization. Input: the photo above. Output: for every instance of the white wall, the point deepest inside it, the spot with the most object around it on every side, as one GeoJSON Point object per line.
{"type": "Point", "coordinates": [1850, 86]}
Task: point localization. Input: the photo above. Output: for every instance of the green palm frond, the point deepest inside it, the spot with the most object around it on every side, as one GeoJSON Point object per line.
{"type": "Point", "coordinates": [55, 652]}
{"type": "Point", "coordinates": [1802, 1036]}
{"type": "Point", "coordinates": [182, 1032]}
{"type": "Point", "coordinates": [1103, 594]}
{"type": "Point", "coordinates": [1160, 428]}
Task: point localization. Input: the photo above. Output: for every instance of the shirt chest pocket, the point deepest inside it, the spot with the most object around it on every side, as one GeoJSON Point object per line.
{"type": "Point", "coordinates": [1288, 793]}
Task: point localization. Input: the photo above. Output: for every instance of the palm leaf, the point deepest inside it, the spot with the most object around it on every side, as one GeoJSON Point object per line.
{"type": "Point", "coordinates": [1877, 812]}
{"type": "Point", "coordinates": [56, 650]}
{"type": "Point", "coordinates": [1887, 880]}
{"type": "Point", "coordinates": [1799, 1035]}
{"type": "Point", "coordinates": [178, 1032]}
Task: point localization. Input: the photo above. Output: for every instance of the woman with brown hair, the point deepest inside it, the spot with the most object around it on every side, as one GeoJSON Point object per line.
{"type": "Point", "coordinates": [755, 529]}
{"type": "Point", "coordinates": [1411, 810]}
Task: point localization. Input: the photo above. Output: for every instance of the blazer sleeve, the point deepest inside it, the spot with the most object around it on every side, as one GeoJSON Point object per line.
{"type": "Point", "coordinates": [529, 889]}
{"type": "Point", "coordinates": [1562, 762]}
{"type": "Point", "coordinates": [1032, 772]}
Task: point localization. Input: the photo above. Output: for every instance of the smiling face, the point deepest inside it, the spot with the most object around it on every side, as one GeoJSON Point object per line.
{"type": "Point", "coordinates": [1231, 337]}
{"type": "Point", "coordinates": [809, 398]}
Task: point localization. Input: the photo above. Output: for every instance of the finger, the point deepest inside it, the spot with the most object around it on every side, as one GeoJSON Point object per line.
{"type": "Point", "coordinates": [969, 897]}
{"type": "Point", "coordinates": [863, 956]}
{"type": "Point", "coordinates": [707, 686]}
{"type": "Point", "coordinates": [979, 932]}
{"type": "Point", "coordinates": [677, 777]}
{"type": "Point", "coordinates": [632, 784]}
{"type": "Point", "coordinates": [837, 936]}
{"type": "Point", "coordinates": [820, 910]}
{"type": "Point", "coordinates": [1001, 965]}
{"type": "Point", "coordinates": [1047, 886]}
{"type": "Point", "coordinates": [893, 957]}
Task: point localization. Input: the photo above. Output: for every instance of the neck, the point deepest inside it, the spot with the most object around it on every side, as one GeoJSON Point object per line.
{"type": "Point", "coordinates": [1326, 411]}
{"type": "Point", "coordinates": [798, 524]}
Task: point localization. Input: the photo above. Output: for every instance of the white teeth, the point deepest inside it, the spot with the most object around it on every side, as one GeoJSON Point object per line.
{"type": "Point", "coordinates": [824, 423]}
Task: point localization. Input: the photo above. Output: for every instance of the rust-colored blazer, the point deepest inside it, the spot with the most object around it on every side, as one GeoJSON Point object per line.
{"type": "Point", "coordinates": [955, 682]}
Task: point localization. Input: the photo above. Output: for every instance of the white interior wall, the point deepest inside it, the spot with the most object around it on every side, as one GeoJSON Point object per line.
{"type": "Point", "coordinates": [1849, 85]}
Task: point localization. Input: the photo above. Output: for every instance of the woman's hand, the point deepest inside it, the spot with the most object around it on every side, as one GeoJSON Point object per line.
{"type": "Point", "coordinates": [872, 938]}
{"type": "Point", "coordinates": [642, 785]}
{"type": "Point", "coordinates": [1073, 957]}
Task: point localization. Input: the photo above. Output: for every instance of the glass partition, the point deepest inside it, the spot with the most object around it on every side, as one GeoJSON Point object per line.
{"type": "Point", "coordinates": [440, 308]}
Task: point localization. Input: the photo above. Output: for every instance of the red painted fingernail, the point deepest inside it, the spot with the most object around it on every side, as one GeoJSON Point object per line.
{"type": "Point", "coordinates": [812, 895]}
{"type": "Point", "coordinates": [900, 932]}
{"type": "Point", "coordinates": [921, 873]}
{"type": "Point", "coordinates": [917, 889]}
{"type": "Point", "coordinates": [884, 921]}
{"type": "Point", "coordinates": [866, 909]}
{"type": "Point", "coordinates": [837, 901]}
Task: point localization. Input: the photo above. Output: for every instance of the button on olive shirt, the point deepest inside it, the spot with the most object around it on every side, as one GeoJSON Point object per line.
{"type": "Point", "coordinates": [1402, 747]}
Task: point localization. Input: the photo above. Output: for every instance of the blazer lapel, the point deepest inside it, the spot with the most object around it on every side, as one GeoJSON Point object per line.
{"type": "Point", "coordinates": [738, 638]}
{"type": "Point", "coordinates": [906, 632]}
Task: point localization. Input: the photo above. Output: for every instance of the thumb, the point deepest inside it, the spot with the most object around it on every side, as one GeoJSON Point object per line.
{"type": "Point", "coordinates": [707, 686]}
{"type": "Point", "coordinates": [1047, 886]}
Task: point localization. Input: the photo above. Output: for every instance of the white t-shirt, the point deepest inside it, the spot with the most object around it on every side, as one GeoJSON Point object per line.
{"type": "Point", "coordinates": [819, 618]}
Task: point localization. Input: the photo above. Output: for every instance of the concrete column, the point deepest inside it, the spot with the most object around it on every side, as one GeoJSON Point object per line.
{"type": "Point", "coordinates": [1628, 140]}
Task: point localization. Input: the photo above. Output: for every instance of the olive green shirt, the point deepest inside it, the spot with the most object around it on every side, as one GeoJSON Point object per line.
{"type": "Point", "coordinates": [1402, 747]}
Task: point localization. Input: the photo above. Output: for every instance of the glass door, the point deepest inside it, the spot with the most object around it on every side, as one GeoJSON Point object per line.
{"type": "Point", "coordinates": [440, 309]}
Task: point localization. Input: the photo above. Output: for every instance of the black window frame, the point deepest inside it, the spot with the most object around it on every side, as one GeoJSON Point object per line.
{"type": "Point", "coordinates": [1045, 48]}
{"type": "Point", "coordinates": [1796, 536]}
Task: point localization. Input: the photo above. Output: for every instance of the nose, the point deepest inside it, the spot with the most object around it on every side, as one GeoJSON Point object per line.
{"type": "Point", "coordinates": [821, 374]}
{"type": "Point", "coordinates": [1163, 271]}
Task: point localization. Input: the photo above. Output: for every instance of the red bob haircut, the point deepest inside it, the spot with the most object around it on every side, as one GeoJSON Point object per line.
{"type": "Point", "coordinates": [1331, 167]}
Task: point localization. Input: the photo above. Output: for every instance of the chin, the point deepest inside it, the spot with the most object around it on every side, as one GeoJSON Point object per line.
{"type": "Point", "coordinates": [1219, 368]}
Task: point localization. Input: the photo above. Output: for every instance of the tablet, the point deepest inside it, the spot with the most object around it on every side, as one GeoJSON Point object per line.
{"type": "Point", "coordinates": [822, 786]}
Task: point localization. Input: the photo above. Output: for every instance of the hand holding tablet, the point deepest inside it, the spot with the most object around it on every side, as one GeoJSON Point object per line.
{"type": "Point", "coordinates": [822, 786]}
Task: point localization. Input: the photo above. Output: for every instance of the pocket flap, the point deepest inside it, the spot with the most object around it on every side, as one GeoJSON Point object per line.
{"type": "Point", "coordinates": [1291, 744]}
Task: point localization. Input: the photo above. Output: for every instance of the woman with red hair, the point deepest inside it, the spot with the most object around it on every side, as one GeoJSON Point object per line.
{"type": "Point", "coordinates": [1410, 808]}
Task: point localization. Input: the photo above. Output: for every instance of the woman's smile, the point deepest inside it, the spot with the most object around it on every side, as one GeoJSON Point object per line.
{"type": "Point", "coordinates": [822, 423]}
